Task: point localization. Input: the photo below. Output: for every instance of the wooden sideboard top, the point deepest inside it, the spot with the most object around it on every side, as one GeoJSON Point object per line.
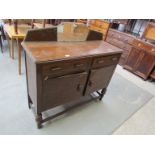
{"type": "Point", "coordinates": [53, 51]}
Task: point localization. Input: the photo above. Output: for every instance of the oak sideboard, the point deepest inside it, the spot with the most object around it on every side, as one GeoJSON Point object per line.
{"type": "Point", "coordinates": [60, 72]}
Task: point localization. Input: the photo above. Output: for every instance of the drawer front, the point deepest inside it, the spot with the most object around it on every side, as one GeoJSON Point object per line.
{"type": "Point", "coordinates": [143, 45]}
{"type": "Point", "coordinates": [61, 68]}
{"type": "Point", "coordinates": [120, 36]}
{"type": "Point", "coordinates": [116, 42]}
{"type": "Point", "coordinates": [119, 43]}
{"type": "Point", "coordinates": [105, 61]}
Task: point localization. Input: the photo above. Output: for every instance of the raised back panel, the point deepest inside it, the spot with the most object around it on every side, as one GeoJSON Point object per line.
{"type": "Point", "coordinates": [45, 34]}
{"type": "Point", "coordinates": [94, 35]}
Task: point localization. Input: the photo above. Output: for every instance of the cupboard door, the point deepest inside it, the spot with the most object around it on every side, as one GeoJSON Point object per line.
{"type": "Point", "coordinates": [145, 66]}
{"type": "Point", "coordinates": [132, 59]}
{"type": "Point", "coordinates": [57, 91]}
{"type": "Point", "coordinates": [99, 79]}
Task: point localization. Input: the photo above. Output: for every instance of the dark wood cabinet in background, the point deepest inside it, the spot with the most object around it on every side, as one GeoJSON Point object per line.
{"type": "Point", "coordinates": [145, 64]}
{"type": "Point", "coordinates": [133, 59]}
{"type": "Point", "coordinates": [99, 25]}
{"type": "Point", "coordinates": [121, 40]}
{"type": "Point", "coordinates": [138, 56]}
{"type": "Point", "coordinates": [141, 59]}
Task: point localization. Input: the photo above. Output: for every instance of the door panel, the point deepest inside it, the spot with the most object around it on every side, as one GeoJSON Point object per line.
{"type": "Point", "coordinates": [57, 91]}
{"type": "Point", "coordinates": [99, 78]}
{"type": "Point", "coordinates": [145, 66]}
{"type": "Point", "coordinates": [132, 59]}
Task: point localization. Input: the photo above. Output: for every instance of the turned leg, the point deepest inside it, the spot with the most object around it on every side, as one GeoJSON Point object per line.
{"type": "Point", "coordinates": [1, 43]}
{"type": "Point", "coordinates": [102, 93]}
{"type": "Point", "coordinates": [8, 40]}
{"type": "Point", "coordinates": [29, 102]}
{"type": "Point", "coordinates": [39, 120]}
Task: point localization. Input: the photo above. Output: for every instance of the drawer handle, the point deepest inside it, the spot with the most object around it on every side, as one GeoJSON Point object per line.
{"type": "Point", "coordinates": [56, 68]}
{"type": "Point", "coordinates": [78, 65]}
{"type": "Point", "coordinates": [139, 44]}
{"type": "Point", "coordinates": [100, 61]}
{"type": "Point", "coordinates": [114, 59]}
{"type": "Point", "coordinates": [46, 78]}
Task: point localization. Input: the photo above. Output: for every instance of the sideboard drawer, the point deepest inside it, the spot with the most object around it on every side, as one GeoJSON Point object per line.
{"type": "Point", "coordinates": [105, 61]}
{"type": "Point", "coordinates": [116, 42]}
{"type": "Point", "coordinates": [143, 45]}
{"type": "Point", "coordinates": [119, 36]}
{"type": "Point", "coordinates": [60, 68]}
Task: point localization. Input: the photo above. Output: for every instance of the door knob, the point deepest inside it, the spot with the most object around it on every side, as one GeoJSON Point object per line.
{"type": "Point", "coordinates": [46, 78]}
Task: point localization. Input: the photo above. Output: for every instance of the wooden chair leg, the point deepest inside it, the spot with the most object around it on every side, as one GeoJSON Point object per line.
{"type": "Point", "coordinates": [8, 40]}
{"type": "Point", "coordinates": [19, 55]}
{"type": "Point", "coordinates": [12, 48]}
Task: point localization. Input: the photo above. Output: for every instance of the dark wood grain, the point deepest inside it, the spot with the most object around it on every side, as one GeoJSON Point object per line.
{"type": "Point", "coordinates": [62, 72]}
{"type": "Point", "coordinates": [52, 51]}
{"type": "Point", "coordinates": [141, 59]}
{"type": "Point", "coordinates": [121, 40]}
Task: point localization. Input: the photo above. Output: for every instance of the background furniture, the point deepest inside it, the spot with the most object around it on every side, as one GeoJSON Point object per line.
{"type": "Point", "coordinates": [100, 26]}
{"type": "Point", "coordinates": [138, 52]}
{"type": "Point", "coordinates": [121, 40]}
{"type": "Point", "coordinates": [121, 21]}
{"type": "Point", "coordinates": [149, 33]}
{"type": "Point", "coordinates": [18, 36]}
{"type": "Point", "coordinates": [40, 23]}
{"type": "Point", "coordinates": [84, 21]}
{"type": "Point", "coordinates": [141, 59]}
{"type": "Point", "coordinates": [115, 23]}
{"type": "Point", "coordinates": [61, 72]}
{"type": "Point", "coordinates": [134, 27]}
{"type": "Point", "coordinates": [21, 22]}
